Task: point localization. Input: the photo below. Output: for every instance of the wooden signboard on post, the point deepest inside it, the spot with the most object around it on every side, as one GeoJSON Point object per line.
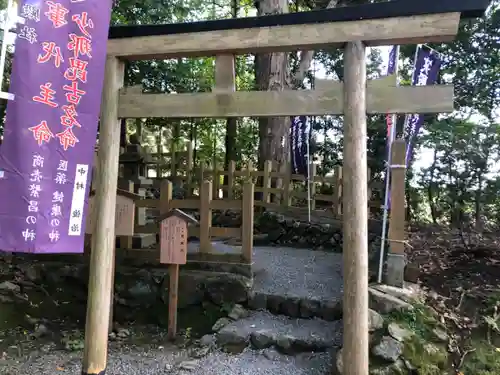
{"type": "Point", "coordinates": [124, 214]}
{"type": "Point", "coordinates": [173, 251]}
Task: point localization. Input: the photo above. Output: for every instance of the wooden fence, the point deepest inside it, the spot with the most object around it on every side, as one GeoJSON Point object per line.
{"type": "Point", "coordinates": [276, 191]}
{"type": "Point", "coordinates": [204, 204]}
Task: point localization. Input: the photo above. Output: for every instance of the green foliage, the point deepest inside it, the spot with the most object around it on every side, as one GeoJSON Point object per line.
{"type": "Point", "coordinates": [420, 320]}
{"type": "Point", "coordinates": [458, 184]}
{"type": "Point", "coordinates": [484, 360]}
{"type": "Point", "coordinates": [428, 358]}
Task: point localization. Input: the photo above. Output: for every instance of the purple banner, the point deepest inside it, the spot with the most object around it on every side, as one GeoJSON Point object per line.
{"type": "Point", "coordinates": [391, 69]}
{"type": "Point", "coordinates": [426, 72]}
{"type": "Point", "coordinates": [299, 138]}
{"type": "Point", "coordinates": [51, 125]}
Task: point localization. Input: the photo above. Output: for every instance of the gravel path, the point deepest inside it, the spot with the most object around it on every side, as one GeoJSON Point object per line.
{"type": "Point", "coordinates": [171, 361]}
{"type": "Point", "coordinates": [127, 361]}
{"type": "Point", "coordinates": [266, 362]}
{"type": "Point", "coordinates": [298, 273]}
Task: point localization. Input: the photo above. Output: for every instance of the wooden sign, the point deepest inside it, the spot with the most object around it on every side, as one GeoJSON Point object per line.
{"type": "Point", "coordinates": [173, 251]}
{"type": "Point", "coordinates": [173, 241]}
{"type": "Point", "coordinates": [124, 216]}
{"type": "Point", "coordinates": [173, 236]}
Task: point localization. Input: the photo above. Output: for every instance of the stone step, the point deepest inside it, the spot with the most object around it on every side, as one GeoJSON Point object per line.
{"type": "Point", "coordinates": [261, 330]}
{"type": "Point", "coordinates": [296, 307]}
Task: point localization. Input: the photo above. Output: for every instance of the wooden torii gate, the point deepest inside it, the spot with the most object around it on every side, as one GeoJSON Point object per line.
{"type": "Point", "coordinates": [351, 28]}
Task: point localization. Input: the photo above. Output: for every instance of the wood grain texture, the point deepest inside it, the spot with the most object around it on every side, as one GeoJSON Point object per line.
{"type": "Point", "coordinates": [383, 31]}
{"type": "Point", "coordinates": [225, 79]}
{"type": "Point", "coordinates": [397, 218]}
{"type": "Point", "coordinates": [103, 239]}
{"type": "Point", "coordinates": [381, 98]}
{"type": "Point", "coordinates": [355, 348]}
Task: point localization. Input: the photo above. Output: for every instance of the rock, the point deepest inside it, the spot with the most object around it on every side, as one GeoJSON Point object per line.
{"type": "Point", "coordinates": [376, 321]}
{"type": "Point", "coordinates": [188, 365]}
{"type": "Point", "coordinates": [261, 239]}
{"type": "Point", "coordinates": [7, 286]}
{"type": "Point", "coordinates": [440, 335]}
{"type": "Point", "coordinates": [238, 312]}
{"type": "Point", "coordinates": [409, 293]}
{"type": "Point", "coordinates": [388, 349]}
{"type": "Point", "coordinates": [5, 299]}
{"type": "Point", "coordinates": [330, 310]}
{"type": "Point", "coordinates": [291, 307]}
{"type": "Point", "coordinates": [208, 340]}
{"type": "Point", "coordinates": [232, 340]}
{"type": "Point", "coordinates": [399, 333]}
{"type": "Point", "coordinates": [227, 288]}
{"type": "Point", "coordinates": [385, 303]}
{"type": "Point", "coordinates": [339, 362]}
{"type": "Point", "coordinates": [31, 273]}
{"type": "Point", "coordinates": [41, 330]}
{"type": "Point", "coordinates": [285, 343]}
{"type": "Point", "coordinates": [271, 354]}
{"type": "Point", "coordinates": [309, 308]}
{"type": "Point", "coordinates": [262, 339]}
{"type": "Point", "coordinates": [257, 301]}
{"type": "Point", "coordinates": [200, 352]}
{"type": "Point", "coordinates": [412, 273]}
{"type": "Point", "coordinates": [122, 333]}
{"type": "Point", "coordinates": [219, 324]}
{"type": "Point", "coordinates": [274, 303]}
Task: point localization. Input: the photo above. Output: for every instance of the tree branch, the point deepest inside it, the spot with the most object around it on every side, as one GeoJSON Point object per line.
{"type": "Point", "coordinates": [306, 58]}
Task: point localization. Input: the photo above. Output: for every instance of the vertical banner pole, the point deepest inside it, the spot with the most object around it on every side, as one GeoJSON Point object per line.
{"type": "Point", "coordinates": [308, 183]}
{"type": "Point", "coordinates": [103, 240]}
{"type": "Point", "coordinates": [355, 216]}
{"type": "Point", "coordinates": [392, 135]}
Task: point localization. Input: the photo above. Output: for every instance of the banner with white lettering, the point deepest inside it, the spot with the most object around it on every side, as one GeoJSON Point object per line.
{"type": "Point", "coordinates": [426, 72]}
{"type": "Point", "coordinates": [300, 133]}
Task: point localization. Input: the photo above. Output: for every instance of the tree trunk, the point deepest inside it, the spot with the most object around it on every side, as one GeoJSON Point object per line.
{"type": "Point", "coordinates": [231, 123]}
{"type": "Point", "coordinates": [272, 74]}
{"type": "Point", "coordinates": [478, 214]}
{"type": "Point", "coordinates": [430, 189]}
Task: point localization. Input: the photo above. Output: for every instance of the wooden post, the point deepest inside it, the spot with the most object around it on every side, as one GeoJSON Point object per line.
{"type": "Point", "coordinates": [247, 221]}
{"type": "Point", "coordinates": [337, 191]}
{"type": "Point", "coordinates": [125, 242]}
{"type": "Point", "coordinates": [287, 181]}
{"type": "Point", "coordinates": [173, 251]}
{"type": "Point", "coordinates": [205, 216]}
{"type": "Point", "coordinates": [396, 260]}
{"type": "Point", "coordinates": [215, 182]}
{"type": "Point", "coordinates": [159, 153]}
{"type": "Point", "coordinates": [166, 189]}
{"type": "Point", "coordinates": [103, 239]}
{"type": "Point", "coordinates": [355, 214]}
{"type": "Point", "coordinates": [248, 172]}
{"type": "Point", "coordinates": [266, 181]}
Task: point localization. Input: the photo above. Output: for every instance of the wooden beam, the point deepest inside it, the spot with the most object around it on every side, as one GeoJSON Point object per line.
{"type": "Point", "coordinates": [103, 239]}
{"type": "Point", "coordinates": [382, 31]}
{"type": "Point", "coordinates": [327, 101]}
{"type": "Point", "coordinates": [225, 80]}
{"type": "Point", "coordinates": [355, 349]}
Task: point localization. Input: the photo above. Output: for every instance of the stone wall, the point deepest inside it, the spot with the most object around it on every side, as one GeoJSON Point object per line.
{"type": "Point", "coordinates": [140, 294]}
